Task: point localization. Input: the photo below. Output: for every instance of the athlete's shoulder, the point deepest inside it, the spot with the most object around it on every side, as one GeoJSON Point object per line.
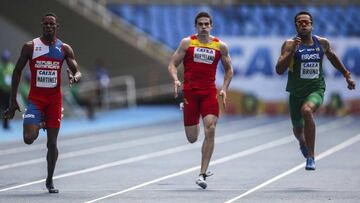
{"type": "Point", "coordinates": [324, 42]}
{"type": "Point", "coordinates": [185, 42]}
{"type": "Point", "coordinates": [215, 39]}
{"type": "Point", "coordinates": [29, 44]}
{"type": "Point", "coordinates": [68, 50]}
{"type": "Point", "coordinates": [223, 47]}
{"type": "Point", "coordinates": [192, 37]}
{"type": "Point", "coordinates": [321, 39]}
{"type": "Point", "coordinates": [290, 40]}
{"type": "Point", "coordinates": [28, 48]}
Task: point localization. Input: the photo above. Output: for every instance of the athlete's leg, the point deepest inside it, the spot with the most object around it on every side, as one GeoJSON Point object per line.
{"type": "Point", "coordinates": [209, 140]}
{"type": "Point", "coordinates": [191, 113]}
{"type": "Point", "coordinates": [307, 111]}
{"type": "Point", "coordinates": [33, 120]}
{"type": "Point", "coordinates": [299, 134]}
{"type": "Point", "coordinates": [192, 132]}
{"type": "Point", "coordinates": [311, 104]}
{"type": "Point", "coordinates": [52, 119]}
{"type": "Point", "coordinates": [209, 109]}
{"type": "Point", "coordinates": [297, 120]}
{"type": "Point", "coordinates": [30, 133]}
{"type": "Point", "coordinates": [52, 155]}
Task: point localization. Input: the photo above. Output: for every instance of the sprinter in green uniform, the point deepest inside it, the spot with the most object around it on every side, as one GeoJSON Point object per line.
{"type": "Point", "coordinates": [302, 56]}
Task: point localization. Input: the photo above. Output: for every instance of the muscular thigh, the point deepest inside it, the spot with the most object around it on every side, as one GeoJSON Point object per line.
{"type": "Point", "coordinates": [191, 109]}
{"type": "Point", "coordinates": [34, 113]}
{"type": "Point", "coordinates": [209, 104]}
{"type": "Point", "coordinates": [295, 104]}
{"type": "Point", "coordinates": [53, 114]}
{"type": "Point", "coordinates": [316, 98]}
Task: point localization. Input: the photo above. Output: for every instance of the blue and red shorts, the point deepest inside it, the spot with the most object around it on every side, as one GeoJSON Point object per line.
{"type": "Point", "coordinates": [49, 111]}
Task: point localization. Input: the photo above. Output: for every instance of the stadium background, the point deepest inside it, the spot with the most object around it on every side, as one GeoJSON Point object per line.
{"type": "Point", "coordinates": [136, 39]}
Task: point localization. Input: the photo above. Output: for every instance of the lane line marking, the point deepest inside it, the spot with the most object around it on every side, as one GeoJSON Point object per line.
{"type": "Point", "coordinates": [251, 132]}
{"type": "Point", "coordinates": [278, 142]}
{"type": "Point", "coordinates": [96, 137]}
{"type": "Point", "coordinates": [328, 152]}
{"type": "Point", "coordinates": [233, 136]}
{"type": "Point", "coordinates": [246, 152]}
{"type": "Point", "coordinates": [105, 148]}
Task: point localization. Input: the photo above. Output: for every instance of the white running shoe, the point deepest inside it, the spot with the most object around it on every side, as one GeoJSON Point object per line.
{"type": "Point", "coordinates": [200, 181]}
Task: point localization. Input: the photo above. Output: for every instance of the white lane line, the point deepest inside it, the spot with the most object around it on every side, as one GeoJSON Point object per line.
{"type": "Point", "coordinates": [330, 126]}
{"type": "Point", "coordinates": [78, 140]}
{"type": "Point", "coordinates": [103, 148]}
{"type": "Point", "coordinates": [328, 152]}
{"type": "Point", "coordinates": [250, 151]}
{"type": "Point", "coordinates": [98, 137]}
{"type": "Point", "coordinates": [226, 138]}
{"type": "Point", "coordinates": [106, 148]}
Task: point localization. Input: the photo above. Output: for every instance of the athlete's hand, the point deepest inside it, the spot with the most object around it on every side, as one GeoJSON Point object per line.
{"type": "Point", "coordinates": [296, 44]}
{"type": "Point", "coordinates": [10, 112]}
{"type": "Point", "coordinates": [177, 85]}
{"type": "Point", "coordinates": [73, 78]}
{"type": "Point", "coordinates": [351, 83]}
{"type": "Point", "coordinates": [222, 94]}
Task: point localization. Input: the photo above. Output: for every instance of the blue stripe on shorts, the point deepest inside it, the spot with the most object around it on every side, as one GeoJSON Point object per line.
{"type": "Point", "coordinates": [32, 115]}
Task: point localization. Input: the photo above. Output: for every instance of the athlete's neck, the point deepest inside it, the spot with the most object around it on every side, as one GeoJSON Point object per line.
{"type": "Point", "coordinates": [306, 39]}
{"type": "Point", "coordinates": [48, 40]}
{"type": "Point", "coordinates": [204, 38]}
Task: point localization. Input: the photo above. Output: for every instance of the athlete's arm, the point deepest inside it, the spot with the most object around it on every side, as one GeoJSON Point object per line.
{"type": "Point", "coordinates": [226, 61]}
{"type": "Point", "coordinates": [75, 74]}
{"type": "Point", "coordinates": [175, 61]}
{"type": "Point", "coordinates": [336, 62]}
{"type": "Point", "coordinates": [25, 55]}
{"type": "Point", "coordinates": [287, 53]}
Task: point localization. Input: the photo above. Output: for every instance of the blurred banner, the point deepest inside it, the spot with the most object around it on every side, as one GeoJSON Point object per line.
{"type": "Point", "coordinates": [254, 61]}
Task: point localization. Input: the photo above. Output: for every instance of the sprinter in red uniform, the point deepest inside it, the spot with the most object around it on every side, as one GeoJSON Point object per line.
{"type": "Point", "coordinates": [200, 54]}
{"type": "Point", "coordinates": [45, 55]}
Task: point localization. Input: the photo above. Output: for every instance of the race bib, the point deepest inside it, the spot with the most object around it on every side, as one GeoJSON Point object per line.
{"type": "Point", "coordinates": [204, 55]}
{"type": "Point", "coordinates": [310, 70]}
{"type": "Point", "coordinates": [46, 78]}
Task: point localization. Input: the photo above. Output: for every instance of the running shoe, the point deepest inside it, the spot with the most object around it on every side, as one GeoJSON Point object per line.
{"type": "Point", "coordinates": [310, 164]}
{"type": "Point", "coordinates": [50, 187]}
{"type": "Point", "coordinates": [201, 180]}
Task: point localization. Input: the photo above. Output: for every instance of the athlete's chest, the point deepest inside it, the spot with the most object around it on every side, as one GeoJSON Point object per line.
{"type": "Point", "coordinates": [309, 61]}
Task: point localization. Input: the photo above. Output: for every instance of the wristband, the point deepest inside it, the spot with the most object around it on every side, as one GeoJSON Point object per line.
{"type": "Point", "coordinates": [346, 74]}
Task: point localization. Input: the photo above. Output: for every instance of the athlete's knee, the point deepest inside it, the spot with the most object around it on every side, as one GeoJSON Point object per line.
{"type": "Point", "coordinates": [28, 140]}
{"type": "Point", "coordinates": [210, 127]}
{"type": "Point", "coordinates": [307, 111]}
{"type": "Point", "coordinates": [191, 138]}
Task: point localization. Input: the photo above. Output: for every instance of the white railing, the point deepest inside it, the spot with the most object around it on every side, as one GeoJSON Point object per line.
{"type": "Point", "coordinates": [114, 93]}
{"type": "Point", "coordinates": [120, 92]}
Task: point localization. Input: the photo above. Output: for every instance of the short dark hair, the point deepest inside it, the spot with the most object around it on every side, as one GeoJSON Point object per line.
{"type": "Point", "coordinates": [203, 14]}
{"type": "Point", "coordinates": [303, 13]}
{"type": "Point", "coordinates": [50, 14]}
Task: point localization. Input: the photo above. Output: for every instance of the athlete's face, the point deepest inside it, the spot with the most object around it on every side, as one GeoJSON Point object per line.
{"type": "Point", "coordinates": [303, 25]}
{"type": "Point", "coordinates": [203, 26]}
{"type": "Point", "coordinates": [49, 26]}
